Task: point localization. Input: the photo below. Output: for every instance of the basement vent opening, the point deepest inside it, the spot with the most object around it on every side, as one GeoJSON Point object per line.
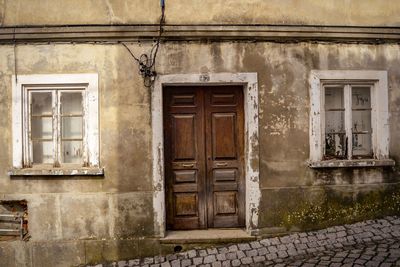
{"type": "Point", "coordinates": [13, 220]}
{"type": "Point", "coordinates": [177, 249]}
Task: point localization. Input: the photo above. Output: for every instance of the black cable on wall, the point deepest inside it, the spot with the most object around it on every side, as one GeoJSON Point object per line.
{"type": "Point", "coordinates": [147, 62]}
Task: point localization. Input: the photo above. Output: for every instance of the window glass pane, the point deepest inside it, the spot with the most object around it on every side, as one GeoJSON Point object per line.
{"type": "Point", "coordinates": [71, 103]}
{"type": "Point", "coordinates": [361, 97]}
{"type": "Point", "coordinates": [361, 121]}
{"type": "Point", "coordinates": [335, 145]}
{"type": "Point", "coordinates": [334, 98]}
{"type": "Point", "coordinates": [72, 151]}
{"type": "Point", "coordinates": [42, 127]}
{"type": "Point", "coordinates": [41, 103]}
{"type": "Point", "coordinates": [72, 127]}
{"type": "Point", "coordinates": [335, 137]}
{"type": "Point", "coordinates": [362, 145]}
{"type": "Point", "coordinates": [334, 122]}
{"type": "Point", "coordinates": [42, 151]}
{"type": "Point", "coordinates": [334, 110]}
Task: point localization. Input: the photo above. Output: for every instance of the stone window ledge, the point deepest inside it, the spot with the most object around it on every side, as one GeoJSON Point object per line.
{"type": "Point", "coordinates": [57, 172]}
{"type": "Point", "coordinates": [352, 163]}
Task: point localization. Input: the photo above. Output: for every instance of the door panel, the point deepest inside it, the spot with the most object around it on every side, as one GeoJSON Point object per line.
{"type": "Point", "coordinates": [186, 204]}
{"type": "Point", "coordinates": [184, 137]}
{"type": "Point", "coordinates": [224, 175]}
{"type": "Point", "coordinates": [224, 99]}
{"type": "Point", "coordinates": [224, 129]}
{"type": "Point", "coordinates": [184, 158]}
{"type": "Point", "coordinates": [203, 140]}
{"type": "Point", "coordinates": [223, 136]}
{"type": "Point", "coordinates": [225, 203]}
{"type": "Point", "coordinates": [183, 100]}
{"type": "Point", "coordinates": [186, 176]}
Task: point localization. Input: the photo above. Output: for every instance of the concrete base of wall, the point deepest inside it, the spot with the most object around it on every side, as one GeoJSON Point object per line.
{"type": "Point", "coordinates": [284, 210]}
{"type": "Point", "coordinates": [74, 253]}
{"type": "Point", "coordinates": [82, 252]}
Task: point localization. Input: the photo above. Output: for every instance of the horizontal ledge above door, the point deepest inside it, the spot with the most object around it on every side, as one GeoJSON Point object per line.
{"type": "Point", "coordinates": [126, 33]}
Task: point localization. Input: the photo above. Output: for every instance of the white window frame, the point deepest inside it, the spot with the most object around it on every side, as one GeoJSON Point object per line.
{"type": "Point", "coordinates": [20, 85]}
{"type": "Point", "coordinates": [379, 116]}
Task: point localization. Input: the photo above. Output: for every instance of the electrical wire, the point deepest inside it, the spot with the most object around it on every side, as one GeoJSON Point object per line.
{"type": "Point", "coordinates": [130, 52]}
{"type": "Point", "coordinates": [147, 62]}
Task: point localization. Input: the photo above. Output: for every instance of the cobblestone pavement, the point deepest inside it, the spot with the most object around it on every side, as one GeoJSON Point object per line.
{"type": "Point", "coordinates": [368, 243]}
{"type": "Point", "coordinates": [381, 253]}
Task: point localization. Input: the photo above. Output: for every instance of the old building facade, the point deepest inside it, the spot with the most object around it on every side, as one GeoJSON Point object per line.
{"type": "Point", "coordinates": [268, 116]}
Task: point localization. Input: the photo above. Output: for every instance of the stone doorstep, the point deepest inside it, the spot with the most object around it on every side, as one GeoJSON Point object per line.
{"type": "Point", "coordinates": [213, 236]}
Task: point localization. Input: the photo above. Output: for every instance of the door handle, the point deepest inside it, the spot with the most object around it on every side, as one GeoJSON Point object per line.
{"type": "Point", "coordinates": [223, 164]}
{"type": "Point", "coordinates": [188, 165]}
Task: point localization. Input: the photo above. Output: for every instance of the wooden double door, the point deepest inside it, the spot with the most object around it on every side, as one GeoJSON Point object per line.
{"type": "Point", "coordinates": [203, 144]}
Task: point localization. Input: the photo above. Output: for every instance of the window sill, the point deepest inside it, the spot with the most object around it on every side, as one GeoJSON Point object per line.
{"type": "Point", "coordinates": [57, 172]}
{"type": "Point", "coordinates": [356, 163]}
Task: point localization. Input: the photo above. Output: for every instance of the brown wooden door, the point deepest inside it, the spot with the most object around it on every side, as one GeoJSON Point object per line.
{"type": "Point", "coordinates": [203, 140]}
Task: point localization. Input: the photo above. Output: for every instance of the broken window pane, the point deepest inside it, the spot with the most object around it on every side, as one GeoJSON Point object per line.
{"type": "Point", "coordinates": [361, 121]}
{"type": "Point", "coordinates": [335, 145]}
{"type": "Point", "coordinates": [42, 152]}
{"type": "Point", "coordinates": [335, 136]}
{"type": "Point", "coordinates": [41, 103]}
{"type": "Point", "coordinates": [72, 151]}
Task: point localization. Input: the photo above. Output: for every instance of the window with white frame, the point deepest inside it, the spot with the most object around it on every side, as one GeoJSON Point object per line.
{"type": "Point", "coordinates": [55, 121]}
{"type": "Point", "coordinates": [349, 117]}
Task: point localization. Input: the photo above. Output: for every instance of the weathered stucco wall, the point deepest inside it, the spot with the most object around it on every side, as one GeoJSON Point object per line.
{"type": "Point", "coordinates": [118, 205]}
{"type": "Point", "coordinates": [101, 218]}
{"type": "Point", "coordinates": [283, 71]}
{"type": "Point", "coordinates": [289, 12]}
